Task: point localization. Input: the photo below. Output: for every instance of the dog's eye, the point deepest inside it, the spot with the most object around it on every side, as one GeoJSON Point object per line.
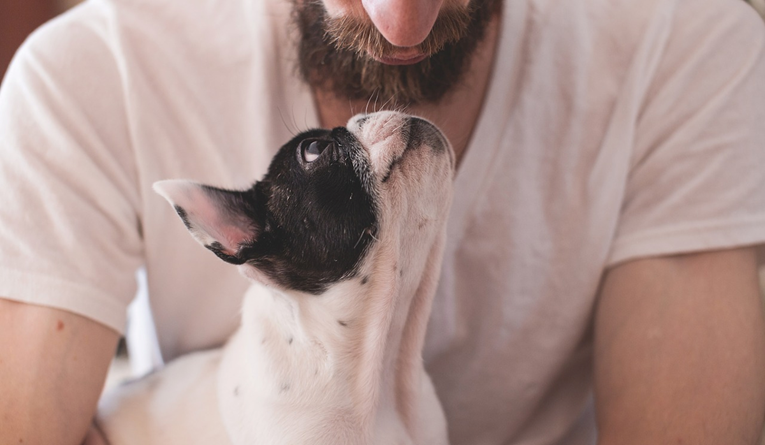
{"type": "Point", "coordinates": [311, 149]}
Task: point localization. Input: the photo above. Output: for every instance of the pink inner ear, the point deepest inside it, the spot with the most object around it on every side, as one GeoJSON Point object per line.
{"type": "Point", "coordinates": [218, 225]}
{"type": "Point", "coordinates": [208, 219]}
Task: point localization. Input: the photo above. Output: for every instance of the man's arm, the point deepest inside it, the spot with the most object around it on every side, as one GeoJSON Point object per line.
{"type": "Point", "coordinates": [52, 368]}
{"type": "Point", "coordinates": [680, 351]}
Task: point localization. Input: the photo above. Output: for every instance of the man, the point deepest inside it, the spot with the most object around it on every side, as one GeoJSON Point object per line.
{"type": "Point", "coordinates": [608, 198]}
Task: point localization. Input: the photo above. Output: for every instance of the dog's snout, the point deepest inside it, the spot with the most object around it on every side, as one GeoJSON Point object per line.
{"type": "Point", "coordinates": [386, 137]}
{"type": "Point", "coordinates": [424, 133]}
{"type": "Point", "coordinates": [378, 126]}
{"type": "Point", "coordinates": [359, 120]}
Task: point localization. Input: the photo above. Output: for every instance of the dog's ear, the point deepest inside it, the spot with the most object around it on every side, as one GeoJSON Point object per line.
{"type": "Point", "coordinates": [221, 220]}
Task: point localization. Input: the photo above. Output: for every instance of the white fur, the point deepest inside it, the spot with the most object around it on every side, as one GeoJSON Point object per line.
{"type": "Point", "coordinates": [344, 368]}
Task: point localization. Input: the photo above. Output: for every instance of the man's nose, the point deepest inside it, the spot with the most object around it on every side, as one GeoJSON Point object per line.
{"type": "Point", "coordinates": [403, 22]}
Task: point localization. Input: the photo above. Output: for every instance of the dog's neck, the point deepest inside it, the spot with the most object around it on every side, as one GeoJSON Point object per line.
{"type": "Point", "coordinates": [346, 361]}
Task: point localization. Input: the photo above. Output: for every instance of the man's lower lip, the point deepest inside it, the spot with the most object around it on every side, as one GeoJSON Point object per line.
{"type": "Point", "coordinates": [400, 61]}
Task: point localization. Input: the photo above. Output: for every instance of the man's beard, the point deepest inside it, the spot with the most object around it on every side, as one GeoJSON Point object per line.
{"type": "Point", "coordinates": [334, 54]}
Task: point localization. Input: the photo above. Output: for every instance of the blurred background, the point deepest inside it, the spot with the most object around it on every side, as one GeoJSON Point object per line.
{"type": "Point", "coordinates": [18, 18]}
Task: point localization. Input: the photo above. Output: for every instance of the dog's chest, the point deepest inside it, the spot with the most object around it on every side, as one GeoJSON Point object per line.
{"type": "Point", "coordinates": [175, 405]}
{"type": "Point", "coordinates": [296, 372]}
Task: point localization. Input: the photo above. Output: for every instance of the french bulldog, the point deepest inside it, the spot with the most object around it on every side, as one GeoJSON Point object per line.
{"type": "Point", "coordinates": [343, 240]}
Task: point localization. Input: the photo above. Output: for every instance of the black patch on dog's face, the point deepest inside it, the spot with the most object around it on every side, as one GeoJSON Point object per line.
{"type": "Point", "coordinates": [313, 213]}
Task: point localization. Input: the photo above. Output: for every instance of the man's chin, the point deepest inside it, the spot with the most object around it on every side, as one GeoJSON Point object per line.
{"type": "Point", "coordinates": [400, 77]}
{"type": "Point", "coordinates": [401, 60]}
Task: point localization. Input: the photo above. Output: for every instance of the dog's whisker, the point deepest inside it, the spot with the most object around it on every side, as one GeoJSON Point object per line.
{"type": "Point", "coordinates": [290, 129]}
{"type": "Point", "coordinates": [400, 126]}
{"type": "Point", "coordinates": [366, 109]}
{"type": "Point", "coordinates": [388, 102]}
{"type": "Point", "coordinates": [305, 125]}
{"type": "Point", "coordinates": [359, 240]}
{"type": "Point", "coordinates": [377, 101]}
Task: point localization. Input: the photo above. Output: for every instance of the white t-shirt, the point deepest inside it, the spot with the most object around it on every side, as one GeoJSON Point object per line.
{"type": "Point", "coordinates": [612, 129]}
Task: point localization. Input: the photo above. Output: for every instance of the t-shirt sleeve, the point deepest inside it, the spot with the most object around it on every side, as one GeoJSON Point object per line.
{"type": "Point", "coordinates": [69, 223]}
{"type": "Point", "coordinates": [697, 180]}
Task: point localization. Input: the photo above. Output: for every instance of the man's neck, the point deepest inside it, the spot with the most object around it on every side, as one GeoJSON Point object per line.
{"type": "Point", "coordinates": [457, 114]}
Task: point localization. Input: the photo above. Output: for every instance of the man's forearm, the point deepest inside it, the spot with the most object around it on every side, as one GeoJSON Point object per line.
{"type": "Point", "coordinates": [52, 369]}
{"type": "Point", "coordinates": [680, 351]}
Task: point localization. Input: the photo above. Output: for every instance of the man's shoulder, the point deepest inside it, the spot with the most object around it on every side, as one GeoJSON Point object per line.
{"type": "Point", "coordinates": [170, 29]}
{"type": "Point", "coordinates": [592, 28]}
{"type": "Point", "coordinates": [615, 37]}
{"type": "Point", "coordinates": [625, 20]}
{"type": "Point", "coordinates": [75, 33]}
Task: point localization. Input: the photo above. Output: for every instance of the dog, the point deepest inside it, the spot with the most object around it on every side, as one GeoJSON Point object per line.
{"type": "Point", "coordinates": [343, 240]}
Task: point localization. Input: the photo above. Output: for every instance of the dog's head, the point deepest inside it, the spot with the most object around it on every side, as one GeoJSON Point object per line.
{"type": "Point", "coordinates": [328, 198]}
